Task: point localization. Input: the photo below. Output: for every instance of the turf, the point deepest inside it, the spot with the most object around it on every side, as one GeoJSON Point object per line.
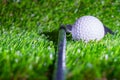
{"type": "Point", "coordinates": [28, 39]}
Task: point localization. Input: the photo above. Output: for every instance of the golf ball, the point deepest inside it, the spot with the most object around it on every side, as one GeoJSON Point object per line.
{"type": "Point", "coordinates": [88, 28]}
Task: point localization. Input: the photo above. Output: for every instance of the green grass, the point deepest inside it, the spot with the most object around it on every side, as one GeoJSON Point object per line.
{"type": "Point", "coordinates": [27, 54]}
{"type": "Point", "coordinates": [24, 55]}
{"type": "Point", "coordinates": [94, 60]}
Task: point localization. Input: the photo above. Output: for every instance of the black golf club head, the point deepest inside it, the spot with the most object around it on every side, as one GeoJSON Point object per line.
{"type": "Point", "coordinates": [106, 29]}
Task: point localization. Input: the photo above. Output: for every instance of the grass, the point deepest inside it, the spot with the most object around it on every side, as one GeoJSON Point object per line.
{"type": "Point", "coordinates": [94, 60]}
{"type": "Point", "coordinates": [27, 54]}
{"type": "Point", "coordinates": [24, 54]}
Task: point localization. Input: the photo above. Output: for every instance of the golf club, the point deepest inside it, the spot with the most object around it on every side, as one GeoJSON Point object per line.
{"type": "Point", "coordinates": [97, 30]}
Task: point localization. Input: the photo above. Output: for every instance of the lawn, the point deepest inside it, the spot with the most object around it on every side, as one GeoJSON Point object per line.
{"type": "Point", "coordinates": [28, 40]}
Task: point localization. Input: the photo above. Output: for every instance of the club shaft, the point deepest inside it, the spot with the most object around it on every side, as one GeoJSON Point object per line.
{"type": "Point", "coordinates": [60, 65]}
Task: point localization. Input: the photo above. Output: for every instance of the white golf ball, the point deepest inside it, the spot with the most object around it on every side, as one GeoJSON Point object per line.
{"type": "Point", "coordinates": [88, 28]}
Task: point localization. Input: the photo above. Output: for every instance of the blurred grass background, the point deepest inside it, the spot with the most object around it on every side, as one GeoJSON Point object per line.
{"type": "Point", "coordinates": [26, 54]}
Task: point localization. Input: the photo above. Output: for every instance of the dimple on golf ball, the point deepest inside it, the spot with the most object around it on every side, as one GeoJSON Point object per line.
{"type": "Point", "coordinates": [88, 28]}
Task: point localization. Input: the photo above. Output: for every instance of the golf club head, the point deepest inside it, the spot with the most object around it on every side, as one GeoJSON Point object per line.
{"type": "Point", "coordinates": [106, 29]}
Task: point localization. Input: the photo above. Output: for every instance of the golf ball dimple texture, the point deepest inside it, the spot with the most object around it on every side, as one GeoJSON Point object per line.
{"type": "Point", "coordinates": [88, 28]}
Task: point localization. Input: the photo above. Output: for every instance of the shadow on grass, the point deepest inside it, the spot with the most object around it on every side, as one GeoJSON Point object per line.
{"type": "Point", "coordinates": [52, 36]}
